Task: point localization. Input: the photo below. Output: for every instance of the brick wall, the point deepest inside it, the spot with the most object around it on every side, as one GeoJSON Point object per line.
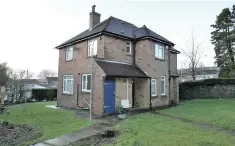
{"type": "Point", "coordinates": [142, 93]}
{"type": "Point", "coordinates": [155, 68]}
{"type": "Point", "coordinates": [173, 62]}
{"type": "Point", "coordinates": [78, 66]}
{"type": "Point", "coordinates": [115, 50]}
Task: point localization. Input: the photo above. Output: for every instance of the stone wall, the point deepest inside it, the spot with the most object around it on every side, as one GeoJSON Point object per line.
{"type": "Point", "coordinates": [208, 92]}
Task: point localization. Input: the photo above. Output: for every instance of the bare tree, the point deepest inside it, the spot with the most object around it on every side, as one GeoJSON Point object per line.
{"type": "Point", "coordinates": [17, 83]}
{"type": "Point", "coordinates": [192, 64]}
{"type": "Point", "coordinates": [46, 73]}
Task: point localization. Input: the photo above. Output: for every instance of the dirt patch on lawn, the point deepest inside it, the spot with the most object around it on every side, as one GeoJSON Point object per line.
{"type": "Point", "coordinates": [11, 134]}
{"type": "Point", "coordinates": [97, 140]}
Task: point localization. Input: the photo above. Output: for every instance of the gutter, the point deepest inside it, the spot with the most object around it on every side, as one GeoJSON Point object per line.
{"type": "Point", "coordinates": [80, 40]}
{"type": "Point", "coordinates": [169, 77]}
{"type": "Point", "coordinates": [150, 94]}
{"type": "Point", "coordinates": [115, 35]}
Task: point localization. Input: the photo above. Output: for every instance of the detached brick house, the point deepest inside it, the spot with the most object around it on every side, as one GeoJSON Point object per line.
{"type": "Point", "coordinates": [128, 63]}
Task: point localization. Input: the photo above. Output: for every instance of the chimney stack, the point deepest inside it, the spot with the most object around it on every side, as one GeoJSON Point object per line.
{"type": "Point", "coordinates": [94, 18]}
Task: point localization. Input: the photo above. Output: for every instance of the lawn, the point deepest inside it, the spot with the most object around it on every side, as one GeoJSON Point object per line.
{"type": "Point", "coordinates": [218, 112]}
{"type": "Point", "coordinates": [151, 130]}
{"type": "Point", "coordinates": [51, 122]}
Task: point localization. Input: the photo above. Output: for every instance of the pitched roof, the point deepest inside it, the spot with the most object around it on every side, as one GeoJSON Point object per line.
{"type": "Point", "coordinates": [28, 81]}
{"type": "Point", "coordinates": [120, 69]}
{"type": "Point", "coordinates": [117, 27]}
{"type": "Point", "coordinates": [146, 32]}
{"type": "Point", "coordinates": [201, 71]}
{"type": "Point", "coordinates": [173, 50]}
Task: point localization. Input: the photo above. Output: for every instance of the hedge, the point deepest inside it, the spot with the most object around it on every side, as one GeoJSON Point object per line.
{"type": "Point", "coordinates": [44, 94]}
{"type": "Point", "coordinates": [209, 88]}
{"type": "Point", "coordinates": [208, 82]}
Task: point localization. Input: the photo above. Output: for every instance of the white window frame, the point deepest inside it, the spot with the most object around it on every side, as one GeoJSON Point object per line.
{"type": "Point", "coordinates": [129, 47]}
{"type": "Point", "coordinates": [86, 82]}
{"type": "Point", "coordinates": [158, 54]}
{"type": "Point", "coordinates": [155, 80]}
{"type": "Point", "coordinates": [69, 53]}
{"type": "Point", "coordinates": [92, 45]}
{"type": "Point", "coordinates": [163, 78]}
{"type": "Point", "coordinates": [64, 83]}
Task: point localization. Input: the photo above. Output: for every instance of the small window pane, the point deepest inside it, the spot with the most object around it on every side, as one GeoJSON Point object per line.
{"type": "Point", "coordinates": [163, 85]}
{"type": "Point", "coordinates": [153, 87]}
{"type": "Point", "coordinates": [88, 82]}
{"type": "Point", "coordinates": [83, 82]}
{"type": "Point", "coordinates": [64, 85]}
{"type": "Point", "coordinates": [92, 48]}
{"type": "Point", "coordinates": [69, 86]}
{"type": "Point", "coordinates": [128, 49]}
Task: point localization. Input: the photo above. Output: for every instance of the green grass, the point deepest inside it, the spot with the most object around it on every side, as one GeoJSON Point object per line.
{"type": "Point", "coordinates": [151, 130]}
{"type": "Point", "coordinates": [51, 122]}
{"type": "Point", "coordinates": [218, 112]}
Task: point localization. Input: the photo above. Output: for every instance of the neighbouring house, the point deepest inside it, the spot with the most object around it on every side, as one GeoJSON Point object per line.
{"type": "Point", "coordinates": [118, 61]}
{"type": "Point", "coordinates": [27, 85]}
{"type": "Point", "coordinates": [53, 81]}
{"type": "Point", "coordinates": [201, 73]}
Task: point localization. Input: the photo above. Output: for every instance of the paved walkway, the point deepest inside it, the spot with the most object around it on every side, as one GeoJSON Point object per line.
{"type": "Point", "coordinates": [73, 137]}
{"type": "Point", "coordinates": [101, 124]}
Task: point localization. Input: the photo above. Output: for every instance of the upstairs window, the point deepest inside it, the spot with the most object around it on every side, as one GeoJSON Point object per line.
{"type": "Point", "coordinates": [163, 85]}
{"type": "Point", "coordinates": [69, 53]}
{"type": "Point", "coordinates": [128, 47]}
{"type": "Point", "coordinates": [154, 87]}
{"type": "Point", "coordinates": [92, 48]}
{"type": "Point", "coordinates": [86, 82]}
{"type": "Point", "coordinates": [159, 51]}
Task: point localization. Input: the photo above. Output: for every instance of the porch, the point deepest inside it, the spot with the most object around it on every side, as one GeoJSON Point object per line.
{"type": "Point", "coordinates": [124, 82]}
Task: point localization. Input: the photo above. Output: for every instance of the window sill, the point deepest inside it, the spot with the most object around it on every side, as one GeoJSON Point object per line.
{"type": "Point", "coordinates": [69, 94]}
{"type": "Point", "coordinates": [159, 59]}
{"type": "Point", "coordinates": [94, 56]}
{"type": "Point", "coordinates": [85, 92]}
{"type": "Point", "coordinates": [163, 96]}
{"type": "Point", "coordinates": [68, 60]}
{"type": "Point", "coordinates": [153, 97]}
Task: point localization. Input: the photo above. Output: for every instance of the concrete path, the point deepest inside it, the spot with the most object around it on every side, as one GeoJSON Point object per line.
{"type": "Point", "coordinates": [73, 137]}
{"type": "Point", "coordinates": [102, 124]}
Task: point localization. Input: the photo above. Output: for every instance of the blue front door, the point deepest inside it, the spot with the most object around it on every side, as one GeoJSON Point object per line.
{"type": "Point", "coordinates": [109, 96]}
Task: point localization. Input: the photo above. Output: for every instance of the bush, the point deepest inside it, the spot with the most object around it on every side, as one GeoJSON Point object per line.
{"type": "Point", "coordinates": [44, 94]}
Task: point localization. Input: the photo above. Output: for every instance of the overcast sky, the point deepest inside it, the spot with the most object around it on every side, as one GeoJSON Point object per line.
{"type": "Point", "coordinates": [30, 29]}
